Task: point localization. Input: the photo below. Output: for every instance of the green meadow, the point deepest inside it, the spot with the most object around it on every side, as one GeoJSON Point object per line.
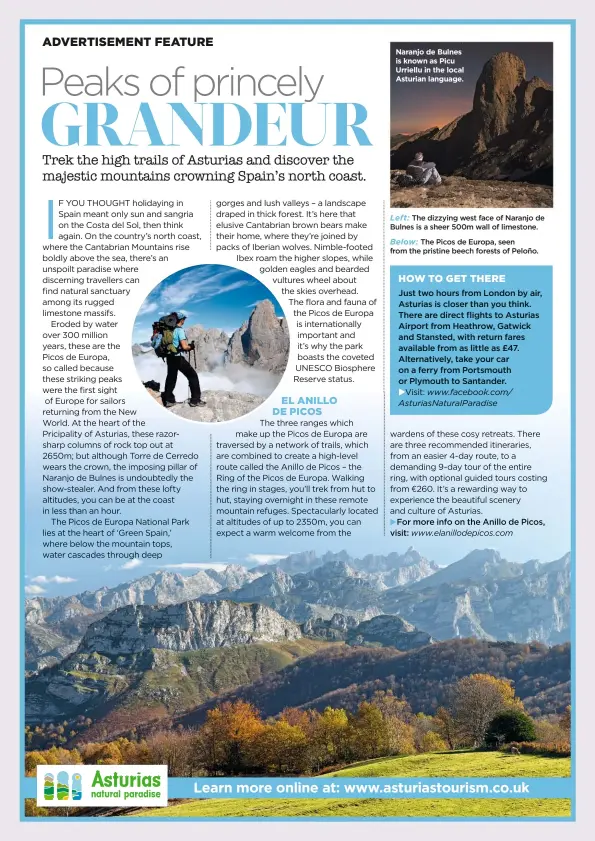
{"type": "Point", "coordinates": [451, 764]}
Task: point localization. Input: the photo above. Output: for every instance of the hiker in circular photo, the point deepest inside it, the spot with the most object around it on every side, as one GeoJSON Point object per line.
{"type": "Point", "coordinates": [210, 343]}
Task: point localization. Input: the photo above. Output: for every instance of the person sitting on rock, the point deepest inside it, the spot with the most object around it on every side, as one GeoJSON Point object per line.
{"type": "Point", "coordinates": [424, 172]}
{"type": "Point", "coordinates": [176, 361]}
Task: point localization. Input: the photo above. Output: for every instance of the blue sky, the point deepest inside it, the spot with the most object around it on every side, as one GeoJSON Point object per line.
{"type": "Point", "coordinates": [214, 296]}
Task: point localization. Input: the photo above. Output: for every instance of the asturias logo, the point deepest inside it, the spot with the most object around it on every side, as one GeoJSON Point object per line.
{"type": "Point", "coordinates": [99, 785]}
{"type": "Point", "coordinates": [62, 785]}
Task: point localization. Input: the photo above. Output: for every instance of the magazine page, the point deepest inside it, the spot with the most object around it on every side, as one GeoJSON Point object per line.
{"type": "Point", "coordinates": [297, 329]}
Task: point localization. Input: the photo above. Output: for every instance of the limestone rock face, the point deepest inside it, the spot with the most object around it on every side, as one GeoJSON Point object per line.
{"type": "Point", "coordinates": [476, 566]}
{"type": "Point", "coordinates": [55, 626]}
{"type": "Point", "coordinates": [210, 346]}
{"type": "Point", "coordinates": [390, 631]}
{"type": "Point", "coordinates": [483, 595]}
{"type": "Point", "coordinates": [186, 627]}
{"type": "Point", "coordinates": [334, 629]}
{"type": "Point", "coordinates": [321, 592]}
{"type": "Point", "coordinates": [507, 135]}
{"type": "Point", "coordinates": [386, 570]}
{"type": "Point", "coordinates": [495, 102]}
{"type": "Point", "coordinates": [272, 584]}
{"type": "Point", "coordinates": [486, 597]}
{"type": "Point", "coordinates": [139, 661]}
{"type": "Point", "coordinates": [262, 341]}
{"type": "Point", "coordinates": [233, 576]}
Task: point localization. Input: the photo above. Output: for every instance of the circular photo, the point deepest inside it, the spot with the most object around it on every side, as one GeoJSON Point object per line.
{"type": "Point", "coordinates": [211, 343]}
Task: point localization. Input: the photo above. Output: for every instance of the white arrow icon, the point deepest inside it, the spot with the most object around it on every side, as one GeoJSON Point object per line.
{"type": "Point", "coordinates": [401, 392]}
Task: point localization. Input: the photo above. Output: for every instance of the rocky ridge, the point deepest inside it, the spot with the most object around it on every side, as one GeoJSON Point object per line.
{"type": "Point", "coordinates": [140, 639]}
{"type": "Point", "coordinates": [392, 569]}
{"type": "Point", "coordinates": [220, 406]}
{"type": "Point", "coordinates": [185, 627]}
{"type": "Point", "coordinates": [261, 342]}
{"type": "Point", "coordinates": [389, 631]}
{"type": "Point", "coordinates": [457, 191]}
{"type": "Point", "coordinates": [506, 135]}
{"type": "Point", "coordinates": [486, 597]}
{"type": "Point", "coordinates": [482, 595]}
{"type": "Point", "coordinates": [54, 626]}
{"type": "Point", "coordinates": [210, 345]}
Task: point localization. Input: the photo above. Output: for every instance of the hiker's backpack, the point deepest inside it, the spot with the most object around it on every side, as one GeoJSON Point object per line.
{"type": "Point", "coordinates": [166, 327]}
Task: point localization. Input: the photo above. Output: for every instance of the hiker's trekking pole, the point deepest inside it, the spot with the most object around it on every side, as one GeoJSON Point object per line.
{"type": "Point", "coordinates": [189, 380]}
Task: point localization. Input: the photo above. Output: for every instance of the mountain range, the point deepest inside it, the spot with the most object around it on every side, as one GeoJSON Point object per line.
{"type": "Point", "coordinates": [55, 626]}
{"type": "Point", "coordinates": [482, 595]}
{"type": "Point", "coordinates": [166, 646]}
{"type": "Point", "coordinates": [112, 664]}
{"type": "Point", "coordinates": [487, 597]}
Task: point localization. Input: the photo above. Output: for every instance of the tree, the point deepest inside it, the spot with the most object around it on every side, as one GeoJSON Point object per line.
{"type": "Point", "coordinates": [432, 742]}
{"type": "Point", "coordinates": [32, 760]}
{"type": "Point", "coordinates": [422, 725]}
{"type": "Point", "coordinates": [330, 738]}
{"type": "Point", "coordinates": [299, 718]}
{"type": "Point", "coordinates": [227, 735]}
{"type": "Point", "coordinates": [368, 732]}
{"type": "Point", "coordinates": [281, 748]}
{"type": "Point", "coordinates": [565, 721]}
{"type": "Point", "coordinates": [446, 727]}
{"type": "Point", "coordinates": [476, 700]}
{"type": "Point", "coordinates": [109, 754]}
{"type": "Point", "coordinates": [391, 706]}
{"type": "Point", "coordinates": [550, 731]}
{"type": "Point", "coordinates": [167, 747]}
{"type": "Point", "coordinates": [510, 726]}
{"type": "Point", "coordinates": [61, 756]}
{"type": "Point", "coordinates": [399, 737]}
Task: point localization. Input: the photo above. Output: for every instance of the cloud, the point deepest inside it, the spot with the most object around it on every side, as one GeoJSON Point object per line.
{"type": "Point", "coordinates": [147, 307]}
{"type": "Point", "coordinates": [196, 285]}
{"type": "Point", "coordinates": [54, 579]}
{"type": "Point", "coordinates": [264, 559]}
{"type": "Point", "coordinates": [240, 378]}
{"type": "Point", "coordinates": [133, 564]}
{"type": "Point", "coordinates": [177, 294]}
{"type": "Point", "coordinates": [34, 590]}
{"type": "Point", "coordinates": [231, 287]}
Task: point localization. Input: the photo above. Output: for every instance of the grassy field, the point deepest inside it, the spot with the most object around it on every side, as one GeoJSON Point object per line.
{"type": "Point", "coordinates": [460, 764]}
{"type": "Point", "coordinates": [455, 764]}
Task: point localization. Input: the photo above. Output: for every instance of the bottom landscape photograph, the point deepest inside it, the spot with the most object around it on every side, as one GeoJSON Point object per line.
{"type": "Point", "coordinates": [318, 667]}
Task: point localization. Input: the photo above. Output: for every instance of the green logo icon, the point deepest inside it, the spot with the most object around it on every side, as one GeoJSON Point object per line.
{"type": "Point", "coordinates": [63, 785]}
{"type": "Point", "coordinates": [48, 787]}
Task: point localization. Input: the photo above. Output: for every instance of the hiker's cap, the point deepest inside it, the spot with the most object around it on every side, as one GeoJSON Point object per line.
{"type": "Point", "coordinates": [181, 316]}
